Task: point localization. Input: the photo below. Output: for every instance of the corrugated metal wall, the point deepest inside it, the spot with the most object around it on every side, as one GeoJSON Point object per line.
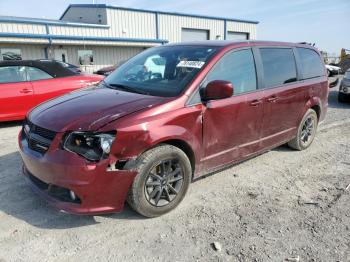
{"type": "Point", "coordinates": [86, 15]}
{"type": "Point", "coordinates": [103, 56]}
{"type": "Point", "coordinates": [125, 23]}
{"type": "Point", "coordinates": [28, 51]}
{"type": "Point", "coordinates": [171, 25]}
{"type": "Point", "coordinates": [22, 28]}
{"type": "Point", "coordinates": [242, 27]}
{"type": "Point", "coordinates": [133, 24]}
{"type": "Point", "coordinates": [121, 23]}
{"type": "Point", "coordinates": [79, 31]}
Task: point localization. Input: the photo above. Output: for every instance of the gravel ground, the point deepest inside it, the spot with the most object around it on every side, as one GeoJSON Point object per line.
{"type": "Point", "coordinates": [281, 206]}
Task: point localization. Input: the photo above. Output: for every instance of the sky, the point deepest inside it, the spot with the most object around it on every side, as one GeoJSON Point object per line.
{"type": "Point", "coordinates": [323, 22]}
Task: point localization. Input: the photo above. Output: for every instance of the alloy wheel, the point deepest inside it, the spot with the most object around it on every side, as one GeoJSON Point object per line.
{"type": "Point", "coordinates": [164, 182]}
{"type": "Point", "coordinates": [307, 131]}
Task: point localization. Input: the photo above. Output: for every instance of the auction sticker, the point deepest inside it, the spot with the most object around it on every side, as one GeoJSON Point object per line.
{"type": "Point", "coordinates": [192, 64]}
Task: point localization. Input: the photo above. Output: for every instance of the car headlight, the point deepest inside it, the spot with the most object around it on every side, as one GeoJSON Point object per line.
{"type": "Point", "coordinates": [92, 146]}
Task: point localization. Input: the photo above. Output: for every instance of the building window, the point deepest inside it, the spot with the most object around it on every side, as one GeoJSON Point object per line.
{"type": "Point", "coordinates": [85, 57]}
{"type": "Point", "coordinates": [188, 34]}
{"type": "Point", "coordinates": [10, 54]}
{"type": "Point", "coordinates": [237, 36]}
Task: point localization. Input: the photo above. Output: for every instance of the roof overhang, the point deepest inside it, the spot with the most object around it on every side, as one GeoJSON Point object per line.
{"type": "Point", "coordinates": [50, 37]}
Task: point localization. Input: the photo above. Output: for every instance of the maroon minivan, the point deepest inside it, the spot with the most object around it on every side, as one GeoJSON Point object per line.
{"type": "Point", "coordinates": [168, 116]}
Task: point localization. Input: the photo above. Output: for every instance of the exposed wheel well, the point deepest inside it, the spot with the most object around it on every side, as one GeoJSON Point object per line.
{"type": "Point", "coordinates": [317, 110]}
{"type": "Point", "coordinates": [184, 147]}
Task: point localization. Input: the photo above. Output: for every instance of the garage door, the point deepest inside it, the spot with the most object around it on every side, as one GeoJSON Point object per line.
{"type": "Point", "coordinates": [194, 34]}
{"type": "Point", "coordinates": [237, 36]}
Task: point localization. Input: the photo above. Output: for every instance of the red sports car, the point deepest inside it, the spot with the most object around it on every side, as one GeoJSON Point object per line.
{"type": "Point", "coordinates": [27, 83]}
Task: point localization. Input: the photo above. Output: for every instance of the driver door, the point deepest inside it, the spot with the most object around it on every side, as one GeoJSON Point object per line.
{"type": "Point", "coordinates": [232, 126]}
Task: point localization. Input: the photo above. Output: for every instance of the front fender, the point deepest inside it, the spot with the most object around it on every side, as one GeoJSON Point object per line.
{"type": "Point", "coordinates": [184, 126]}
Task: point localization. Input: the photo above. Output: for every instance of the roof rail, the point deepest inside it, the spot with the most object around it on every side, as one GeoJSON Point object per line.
{"type": "Point", "coordinates": [306, 43]}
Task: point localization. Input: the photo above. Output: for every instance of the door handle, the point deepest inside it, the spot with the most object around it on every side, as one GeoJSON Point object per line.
{"type": "Point", "coordinates": [26, 90]}
{"type": "Point", "coordinates": [255, 102]}
{"type": "Point", "coordinates": [272, 99]}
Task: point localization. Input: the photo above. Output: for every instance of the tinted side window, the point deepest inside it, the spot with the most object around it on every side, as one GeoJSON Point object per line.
{"type": "Point", "coordinates": [279, 66]}
{"type": "Point", "coordinates": [37, 74]}
{"type": "Point", "coordinates": [311, 63]}
{"type": "Point", "coordinates": [12, 74]}
{"type": "Point", "coordinates": [238, 67]}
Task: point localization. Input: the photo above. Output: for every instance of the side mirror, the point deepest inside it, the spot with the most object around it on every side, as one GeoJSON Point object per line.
{"type": "Point", "coordinates": [217, 89]}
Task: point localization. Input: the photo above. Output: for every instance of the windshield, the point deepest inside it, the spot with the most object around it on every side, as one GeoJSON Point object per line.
{"type": "Point", "coordinates": [161, 71]}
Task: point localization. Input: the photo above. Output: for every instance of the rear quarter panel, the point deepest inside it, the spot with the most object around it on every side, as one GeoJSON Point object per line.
{"type": "Point", "coordinates": [317, 96]}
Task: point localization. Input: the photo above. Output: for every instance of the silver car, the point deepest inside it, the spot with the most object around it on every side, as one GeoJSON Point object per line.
{"type": "Point", "coordinates": [344, 88]}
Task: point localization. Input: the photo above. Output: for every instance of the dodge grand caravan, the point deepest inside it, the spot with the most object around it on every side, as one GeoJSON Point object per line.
{"type": "Point", "coordinates": [143, 134]}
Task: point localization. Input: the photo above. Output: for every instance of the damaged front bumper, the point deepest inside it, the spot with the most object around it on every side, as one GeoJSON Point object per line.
{"type": "Point", "coordinates": [72, 184]}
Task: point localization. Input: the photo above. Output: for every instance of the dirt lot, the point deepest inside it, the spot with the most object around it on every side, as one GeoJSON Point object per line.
{"type": "Point", "coordinates": [281, 206]}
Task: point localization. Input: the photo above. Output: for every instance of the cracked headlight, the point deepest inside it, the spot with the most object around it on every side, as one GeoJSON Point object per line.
{"type": "Point", "coordinates": [92, 146]}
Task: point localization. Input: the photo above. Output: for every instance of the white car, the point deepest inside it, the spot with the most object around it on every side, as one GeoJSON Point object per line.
{"type": "Point", "coordinates": [332, 70]}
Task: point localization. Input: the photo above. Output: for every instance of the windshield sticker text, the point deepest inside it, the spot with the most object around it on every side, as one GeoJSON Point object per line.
{"type": "Point", "coordinates": [192, 64]}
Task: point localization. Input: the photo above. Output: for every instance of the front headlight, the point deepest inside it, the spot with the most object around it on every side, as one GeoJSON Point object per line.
{"type": "Point", "coordinates": [92, 146]}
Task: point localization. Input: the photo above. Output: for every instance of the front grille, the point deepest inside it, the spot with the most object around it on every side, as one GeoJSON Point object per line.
{"type": "Point", "coordinates": [44, 132]}
{"type": "Point", "coordinates": [39, 139]}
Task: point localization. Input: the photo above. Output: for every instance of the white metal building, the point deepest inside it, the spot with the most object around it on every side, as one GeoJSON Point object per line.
{"type": "Point", "coordinates": [95, 36]}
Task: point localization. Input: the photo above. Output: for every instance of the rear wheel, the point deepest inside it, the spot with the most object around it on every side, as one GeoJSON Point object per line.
{"type": "Point", "coordinates": [163, 178]}
{"type": "Point", "coordinates": [306, 131]}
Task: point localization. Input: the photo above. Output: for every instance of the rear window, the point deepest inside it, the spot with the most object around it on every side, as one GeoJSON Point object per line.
{"type": "Point", "coordinates": [279, 66]}
{"type": "Point", "coordinates": [36, 74]}
{"type": "Point", "coordinates": [311, 63]}
{"type": "Point", "coordinates": [12, 74]}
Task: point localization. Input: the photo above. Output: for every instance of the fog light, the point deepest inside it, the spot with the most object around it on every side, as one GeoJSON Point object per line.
{"type": "Point", "coordinates": [345, 89]}
{"type": "Point", "coordinates": [72, 195]}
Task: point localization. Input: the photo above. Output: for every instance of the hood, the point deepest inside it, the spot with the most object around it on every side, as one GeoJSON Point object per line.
{"type": "Point", "coordinates": [89, 109]}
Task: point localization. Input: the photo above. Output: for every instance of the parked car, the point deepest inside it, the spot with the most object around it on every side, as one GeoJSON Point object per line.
{"type": "Point", "coordinates": [27, 83]}
{"type": "Point", "coordinates": [73, 68]}
{"type": "Point", "coordinates": [145, 136]}
{"type": "Point", "coordinates": [344, 88]}
{"type": "Point", "coordinates": [105, 71]}
{"type": "Point", "coordinates": [333, 70]}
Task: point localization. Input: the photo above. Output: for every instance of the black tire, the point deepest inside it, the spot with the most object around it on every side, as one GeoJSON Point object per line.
{"type": "Point", "coordinates": [306, 131]}
{"type": "Point", "coordinates": [155, 168]}
{"type": "Point", "coordinates": [341, 98]}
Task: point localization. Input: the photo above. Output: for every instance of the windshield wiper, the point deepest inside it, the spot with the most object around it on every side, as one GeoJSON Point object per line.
{"type": "Point", "coordinates": [125, 88]}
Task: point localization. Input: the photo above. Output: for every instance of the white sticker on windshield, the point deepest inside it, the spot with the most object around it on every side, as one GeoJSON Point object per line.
{"type": "Point", "coordinates": [192, 64]}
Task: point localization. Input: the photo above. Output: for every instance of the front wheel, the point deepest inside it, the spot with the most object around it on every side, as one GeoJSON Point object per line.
{"type": "Point", "coordinates": [164, 174]}
{"type": "Point", "coordinates": [306, 131]}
